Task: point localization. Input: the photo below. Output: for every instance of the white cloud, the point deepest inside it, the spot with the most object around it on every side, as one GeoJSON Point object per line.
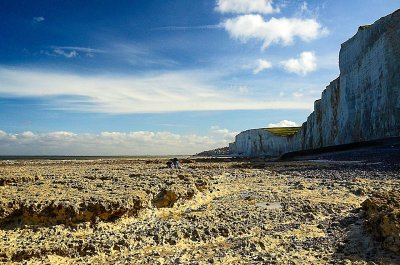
{"type": "Point", "coordinates": [227, 135]}
{"type": "Point", "coordinates": [38, 19]}
{"type": "Point", "coordinates": [111, 143]}
{"type": "Point", "coordinates": [243, 90]}
{"type": "Point", "coordinates": [304, 7]}
{"type": "Point", "coordinates": [303, 65]}
{"type": "Point", "coordinates": [66, 54]}
{"type": "Point", "coordinates": [79, 49]}
{"type": "Point", "coordinates": [157, 92]}
{"type": "Point", "coordinates": [138, 55]}
{"type": "Point", "coordinates": [2, 134]}
{"type": "Point", "coordinates": [274, 31]}
{"type": "Point", "coordinates": [246, 6]}
{"type": "Point", "coordinates": [297, 94]}
{"type": "Point", "coordinates": [27, 134]}
{"type": "Point", "coordinates": [261, 66]}
{"type": "Point", "coordinates": [283, 123]}
{"type": "Point", "coordinates": [73, 51]}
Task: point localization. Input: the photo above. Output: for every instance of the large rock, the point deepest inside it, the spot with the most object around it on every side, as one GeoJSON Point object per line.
{"type": "Point", "coordinates": [165, 198]}
{"type": "Point", "coordinates": [362, 104]}
{"type": "Point", "coordinates": [383, 219]}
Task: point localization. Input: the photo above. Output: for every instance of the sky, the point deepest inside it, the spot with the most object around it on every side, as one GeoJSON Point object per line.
{"type": "Point", "coordinates": [164, 77]}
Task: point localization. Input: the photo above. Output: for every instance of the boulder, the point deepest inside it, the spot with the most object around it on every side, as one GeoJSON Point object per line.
{"type": "Point", "coordinates": [165, 198]}
{"type": "Point", "coordinates": [383, 219]}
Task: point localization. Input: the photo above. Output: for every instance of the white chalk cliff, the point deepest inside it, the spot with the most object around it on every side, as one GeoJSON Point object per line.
{"type": "Point", "coordinates": [362, 104]}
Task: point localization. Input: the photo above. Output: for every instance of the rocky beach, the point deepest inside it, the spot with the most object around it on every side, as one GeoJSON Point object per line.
{"type": "Point", "coordinates": [105, 107]}
{"type": "Point", "coordinates": [317, 210]}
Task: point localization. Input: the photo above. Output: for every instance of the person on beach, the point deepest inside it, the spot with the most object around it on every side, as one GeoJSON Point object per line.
{"type": "Point", "coordinates": [175, 162]}
{"type": "Point", "coordinates": [169, 164]}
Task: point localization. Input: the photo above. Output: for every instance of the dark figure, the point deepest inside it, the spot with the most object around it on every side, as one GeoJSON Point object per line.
{"type": "Point", "coordinates": [169, 164]}
{"type": "Point", "coordinates": [175, 161]}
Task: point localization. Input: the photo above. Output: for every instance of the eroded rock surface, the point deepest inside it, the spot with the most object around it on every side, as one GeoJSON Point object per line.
{"type": "Point", "coordinates": [383, 218]}
{"type": "Point", "coordinates": [209, 212]}
{"type": "Point", "coordinates": [165, 198]}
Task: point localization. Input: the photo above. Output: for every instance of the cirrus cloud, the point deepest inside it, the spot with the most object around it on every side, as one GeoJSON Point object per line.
{"type": "Point", "coordinates": [38, 19]}
{"type": "Point", "coordinates": [150, 93]}
{"type": "Point", "coordinates": [66, 54]}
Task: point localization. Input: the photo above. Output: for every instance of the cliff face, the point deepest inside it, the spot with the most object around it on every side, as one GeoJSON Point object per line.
{"type": "Point", "coordinates": [259, 142]}
{"type": "Point", "coordinates": [362, 104]}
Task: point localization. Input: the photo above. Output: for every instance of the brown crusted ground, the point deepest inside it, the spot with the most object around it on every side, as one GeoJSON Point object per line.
{"type": "Point", "coordinates": [136, 211]}
{"type": "Point", "coordinates": [383, 218]}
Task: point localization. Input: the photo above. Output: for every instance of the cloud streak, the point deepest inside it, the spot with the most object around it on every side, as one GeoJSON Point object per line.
{"type": "Point", "coordinates": [37, 19]}
{"type": "Point", "coordinates": [78, 49]}
{"type": "Point", "coordinates": [66, 54]}
{"type": "Point", "coordinates": [150, 93]}
{"type": "Point", "coordinates": [70, 52]}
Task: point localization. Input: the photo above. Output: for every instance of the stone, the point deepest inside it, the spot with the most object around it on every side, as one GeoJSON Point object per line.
{"type": "Point", "coordinates": [165, 198]}
{"type": "Point", "coordinates": [383, 218]}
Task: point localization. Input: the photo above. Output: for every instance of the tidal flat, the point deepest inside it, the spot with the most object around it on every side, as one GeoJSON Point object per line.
{"type": "Point", "coordinates": [210, 211]}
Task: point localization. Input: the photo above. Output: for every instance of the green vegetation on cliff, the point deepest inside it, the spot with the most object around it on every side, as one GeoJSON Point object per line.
{"type": "Point", "coordinates": [364, 27]}
{"type": "Point", "coordinates": [283, 131]}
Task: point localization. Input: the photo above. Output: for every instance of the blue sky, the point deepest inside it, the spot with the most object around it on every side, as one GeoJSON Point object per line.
{"type": "Point", "coordinates": [126, 77]}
